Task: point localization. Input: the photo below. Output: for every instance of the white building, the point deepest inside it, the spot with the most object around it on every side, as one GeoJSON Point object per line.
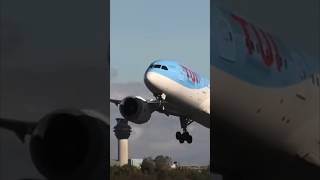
{"type": "Point", "coordinates": [135, 162]}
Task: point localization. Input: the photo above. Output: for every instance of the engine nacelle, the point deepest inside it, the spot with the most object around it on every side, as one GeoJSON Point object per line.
{"type": "Point", "coordinates": [71, 144]}
{"type": "Point", "coordinates": [135, 109]}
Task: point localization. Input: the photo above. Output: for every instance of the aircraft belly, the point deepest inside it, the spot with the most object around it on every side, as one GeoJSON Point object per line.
{"type": "Point", "coordinates": [285, 117]}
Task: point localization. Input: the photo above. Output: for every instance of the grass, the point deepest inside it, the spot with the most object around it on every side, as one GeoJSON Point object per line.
{"type": "Point", "coordinates": [133, 173]}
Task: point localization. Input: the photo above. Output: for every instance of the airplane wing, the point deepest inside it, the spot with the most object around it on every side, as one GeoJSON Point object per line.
{"type": "Point", "coordinates": [138, 110]}
{"type": "Point", "coordinates": [21, 129]}
{"type": "Point", "coordinates": [151, 102]}
{"type": "Point", "coordinates": [115, 101]}
{"type": "Point", "coordinates": [154, 105]}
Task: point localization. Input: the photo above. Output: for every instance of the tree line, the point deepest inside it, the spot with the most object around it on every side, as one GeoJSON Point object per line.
{"type": "Point", "coordinates": [158, 168]}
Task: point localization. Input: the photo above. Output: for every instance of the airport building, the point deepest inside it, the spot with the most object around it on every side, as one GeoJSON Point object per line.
{"type": "Point", "coordinates": [135, 162]}
{"type": "Point", "coordinates": [132, 162]}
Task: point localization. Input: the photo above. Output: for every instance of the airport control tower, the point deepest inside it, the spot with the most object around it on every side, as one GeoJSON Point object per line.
{"type": "Point", "coordinates": [122, 131]}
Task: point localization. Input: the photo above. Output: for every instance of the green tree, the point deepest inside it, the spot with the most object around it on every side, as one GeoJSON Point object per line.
{"type": "Point", "coordinates": [163, 163]}
{"type": "Point", "coordinates": [148, 165]}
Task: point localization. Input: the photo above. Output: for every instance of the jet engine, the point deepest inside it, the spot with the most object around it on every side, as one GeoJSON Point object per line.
{"type": "Point", "coordinates": [135, 109]}
{"type": "Point", "coordinates": [71, 144]}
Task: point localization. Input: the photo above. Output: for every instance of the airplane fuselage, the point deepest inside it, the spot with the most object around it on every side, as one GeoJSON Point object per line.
{"type": "Point", "coordinates": [265, 88]}
{"type": "Point", "coordinates": [187, 93]}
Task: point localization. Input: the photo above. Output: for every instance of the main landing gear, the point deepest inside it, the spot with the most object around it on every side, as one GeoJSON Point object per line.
{"type": "Point", "coordinates": [185, 136]}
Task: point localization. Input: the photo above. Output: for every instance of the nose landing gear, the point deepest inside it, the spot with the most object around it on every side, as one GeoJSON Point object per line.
{"type": "Point", "coordinates": [185, 136]}
{"type": "Point", "coordinates": [161, 98]}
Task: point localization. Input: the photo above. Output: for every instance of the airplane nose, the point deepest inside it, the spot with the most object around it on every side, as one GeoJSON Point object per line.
{"type": "Point", "coordinates": [150, 81]}
{"type": "Point", "coordinates": [148, 77]}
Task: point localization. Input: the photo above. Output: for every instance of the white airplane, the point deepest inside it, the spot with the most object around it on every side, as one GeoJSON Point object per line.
{"type": "Point", "coordinates": [178, 91]}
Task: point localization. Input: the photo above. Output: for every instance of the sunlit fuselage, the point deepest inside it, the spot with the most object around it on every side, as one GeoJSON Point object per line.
{"type": "Point", "coordinates": [187, 92]}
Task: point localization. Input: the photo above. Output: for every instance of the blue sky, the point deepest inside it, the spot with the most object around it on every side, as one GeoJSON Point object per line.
{"type": "Point", "coordinates": [145, 30]}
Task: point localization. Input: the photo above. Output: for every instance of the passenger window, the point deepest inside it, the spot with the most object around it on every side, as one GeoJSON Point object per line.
{"type": "Point", "coordinates": [164, 67]}
{"type": "Point", "coordinates": [157, 66]}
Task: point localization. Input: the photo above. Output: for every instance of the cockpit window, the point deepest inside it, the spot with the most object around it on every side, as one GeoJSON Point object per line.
{"type": "Point", "coordinates": [158, 66]}
{"type": "Point", "coordinates": [164, 67]}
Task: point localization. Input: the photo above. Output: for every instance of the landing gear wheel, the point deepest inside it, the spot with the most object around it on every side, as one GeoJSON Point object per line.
{"type": "Point", "coordinates": [185, 136]}
{"type": "Point", "coordinates": [178, 135]}
{"type": "Point", "coordinates": [189, 139]}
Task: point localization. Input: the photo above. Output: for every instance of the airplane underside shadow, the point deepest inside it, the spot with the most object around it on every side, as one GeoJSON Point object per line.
{"type": "Point", "coordinates": [240, 156]}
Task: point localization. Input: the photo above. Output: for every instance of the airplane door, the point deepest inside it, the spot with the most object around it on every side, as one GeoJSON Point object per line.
{"type": "Point", "coordinates": [226, 41]}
